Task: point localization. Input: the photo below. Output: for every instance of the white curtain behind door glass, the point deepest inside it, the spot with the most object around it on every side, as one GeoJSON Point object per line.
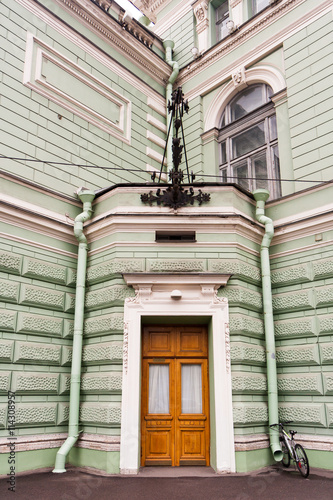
{"type": "Point", "coordinates": [158, 389]}
{"type": "Point", "coordinates": [191, 389]}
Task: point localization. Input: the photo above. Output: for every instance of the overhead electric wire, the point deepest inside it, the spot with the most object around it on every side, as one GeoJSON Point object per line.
{"type": "Point", "coordinates": [81, 165]}
{"type": "Point", "coordinates": [142, 171]}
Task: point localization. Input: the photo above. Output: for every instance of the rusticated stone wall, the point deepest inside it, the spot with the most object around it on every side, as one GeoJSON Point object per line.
{"type": "Point", "coordinates": [37, 293]}
{"type": "Point", "coordinates": [303, 308]}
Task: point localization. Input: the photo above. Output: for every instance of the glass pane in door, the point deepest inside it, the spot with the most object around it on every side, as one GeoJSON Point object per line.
{"type": "Point", "coordinates": [158, 389]}
{"type": "Point", "coordinates": [191, 391]}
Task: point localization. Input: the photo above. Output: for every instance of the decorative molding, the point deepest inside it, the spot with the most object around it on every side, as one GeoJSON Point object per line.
{"type": "Point", "coordinates": [244, 33]}
{"type": "Point", "coordinates": [150, 7]}
{"type": "Point", "coordinates": [129, 38]}
{"type": "Point", "coordinates": [234, 3]}
{"type": "Point", "coordinates": [125, 345]}
{"type": "Point", "coordinates": [59, 79]}
{"type": "Point", "coordinates": [238, 76]}
{"type": "Point", "coordinates": [264, 73]}
{"type": "Point", "coordinates": [118, 38]}
{"type": "Point", "coordinates": [133, 27]}
{"type": "Point", "coordinates": [200, 9]}
{"type": "Point", "coordinates": [227, 347]}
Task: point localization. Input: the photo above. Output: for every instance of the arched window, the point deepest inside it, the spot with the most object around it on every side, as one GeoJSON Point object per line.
{"type": "Point", "coordinates": [249, 153]}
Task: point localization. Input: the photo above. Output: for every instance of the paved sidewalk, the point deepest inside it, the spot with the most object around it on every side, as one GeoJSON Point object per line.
{"type": "Point", "coordinates": [198, 483]}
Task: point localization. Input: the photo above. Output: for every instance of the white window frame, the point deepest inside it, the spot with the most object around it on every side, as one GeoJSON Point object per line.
{"type": "Point", "coordinates": [262, 114]}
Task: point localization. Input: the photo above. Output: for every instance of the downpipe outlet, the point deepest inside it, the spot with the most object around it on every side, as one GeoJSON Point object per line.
{"type": "Point", "coordinates": [261, 196]}
{"type": "Point", "coordinates": [86, 196]}
{"type": "Point", "coordinates": [169, 45]}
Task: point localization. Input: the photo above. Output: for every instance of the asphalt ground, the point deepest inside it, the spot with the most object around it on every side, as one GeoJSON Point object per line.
{"type": "Point", "coordinates": [272, 483]}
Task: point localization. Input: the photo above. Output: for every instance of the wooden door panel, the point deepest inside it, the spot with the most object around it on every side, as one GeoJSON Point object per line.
{"type": "Point", "coordinates": [159, 447]}
{"type": "Point", "coordinates": [192, 341]}
{"type": "Point", "coordinates": [157, 430]}
{"type": "Point", "coordinates": [192, 429]}
{"type": "Point", "coordinates": [192, 447]}
{"type": "Point", "coordinates": [181, 436]}
{"type": "Point", "coordinates": [158, 341]}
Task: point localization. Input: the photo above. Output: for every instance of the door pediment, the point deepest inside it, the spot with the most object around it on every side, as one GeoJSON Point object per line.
{"type": "Point", "coordinates": [176, 287]}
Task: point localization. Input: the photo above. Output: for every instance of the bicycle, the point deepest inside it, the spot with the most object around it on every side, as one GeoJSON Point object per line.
{"type": "Point", "coordinates": [293, 450]}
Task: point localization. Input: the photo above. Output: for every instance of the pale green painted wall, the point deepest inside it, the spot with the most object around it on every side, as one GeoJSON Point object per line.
{"type": "Point", "coordinates": [30, 124]}
{"type": "Point", "coordinates": [308, 61]}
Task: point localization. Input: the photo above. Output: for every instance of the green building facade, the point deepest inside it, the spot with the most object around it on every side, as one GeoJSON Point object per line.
{"type": "Point", "coordinates": [83, 106]}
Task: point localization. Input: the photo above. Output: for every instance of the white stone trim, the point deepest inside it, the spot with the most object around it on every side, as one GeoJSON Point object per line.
{"type": "Point", "coordinates": [251, 442]}
{"type": "Point", "coordinates": [154, 155]}
{"type": "Point", "coordinates": [38, 220]}
{"type": "Point", "coordinates": [155, 139]}
{"type": "Point", "coordinates": [156, 6]}
{"type": "Point", "coordinates": [40, 246]}
{"type": "Point", "coordinates": [263, 73]}
{"type": "Point", "coordinates": [160, 67]}
{"type": "Point", "coordinates": [38, 52]}
{"type": "Point", "coordinates": [132, 42]}
{"type": "Point", "coordinates": [216, 245]}
{"type": "Point", "coordinates": [47, 441]}
{"type": "Point", "coordinates": [261, 441]}
{"type": "Point", "coordinates": [137, 223]}
{"type": "Point", "coordinates": [157, 106]}
{"type": "Point", "coordinates": [250, 57]}
{"type": "Point", "coordinates": [156, 123]}
{"type": "Point", "coordinates": [153, 298]}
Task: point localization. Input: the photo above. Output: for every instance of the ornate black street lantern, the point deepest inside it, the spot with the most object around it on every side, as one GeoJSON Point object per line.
{"type": "Point", "coordinates": [175, 196]}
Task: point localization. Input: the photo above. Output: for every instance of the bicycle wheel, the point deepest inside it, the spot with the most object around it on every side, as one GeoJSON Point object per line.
{"type": "Point", "coordinates": [302, 461]}
{"type": "Point", "coordinates": [286, 457]}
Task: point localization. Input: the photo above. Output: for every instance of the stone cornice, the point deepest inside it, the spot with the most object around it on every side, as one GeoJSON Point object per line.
{"type": "Point", "coordinates": [150, 7]}
{"type": "Point", "coordinates": [24, 215]}
{"type": "Point", "coordinates": [134, 48]}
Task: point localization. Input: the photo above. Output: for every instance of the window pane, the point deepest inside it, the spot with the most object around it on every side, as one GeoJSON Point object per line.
{"type": "Point", "coordinates": [259, 164]}
{"type": "Point", "coordinates": [240, 172]}
{"type": "Point", "coordinates": [276, 169]}
{"type": "Point", "coordinates": [248, 100]}
{"type": "Point", "coordinates": [221, 11]}
{"type": "Point", "coordinates": [158, 389]}
{"type": "Point", "coordinates": [224, 177]}
{"type": "Point", "coordinates": [223, 152]}
{"type": "Point", "coordinates": [191, 389]}
{"type": "Point", "coordinates": [258, 5]}
{"type": "Point", "coordinates": [221, 29]}
{"type": "Point", "coordinates": [272, 128]}
{"type": "Point", "coordinates": [248, 141]}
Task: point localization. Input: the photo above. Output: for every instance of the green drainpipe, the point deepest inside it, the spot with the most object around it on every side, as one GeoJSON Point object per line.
{"type": "Point", "coordinates": [261, 196]}
{"type": "Point", "coordinates": [86, 196]}
{"type": "Point", "coordinates": [169, 45]}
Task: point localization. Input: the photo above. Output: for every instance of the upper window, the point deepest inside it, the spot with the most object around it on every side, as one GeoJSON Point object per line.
{"type": "Point", "coordinates": [249, 153]}
{"type": "Point", "coordinates": [221, 19]}
{"type": "Point", "coordinates": [258, 5]}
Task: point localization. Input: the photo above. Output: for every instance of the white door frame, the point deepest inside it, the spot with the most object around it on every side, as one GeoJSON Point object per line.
{"type": "Point", "coordinates": [172, 295]}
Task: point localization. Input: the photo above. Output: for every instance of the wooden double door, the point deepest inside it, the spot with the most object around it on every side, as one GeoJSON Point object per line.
{"type": "Point", "coordinates": [175, 399]}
